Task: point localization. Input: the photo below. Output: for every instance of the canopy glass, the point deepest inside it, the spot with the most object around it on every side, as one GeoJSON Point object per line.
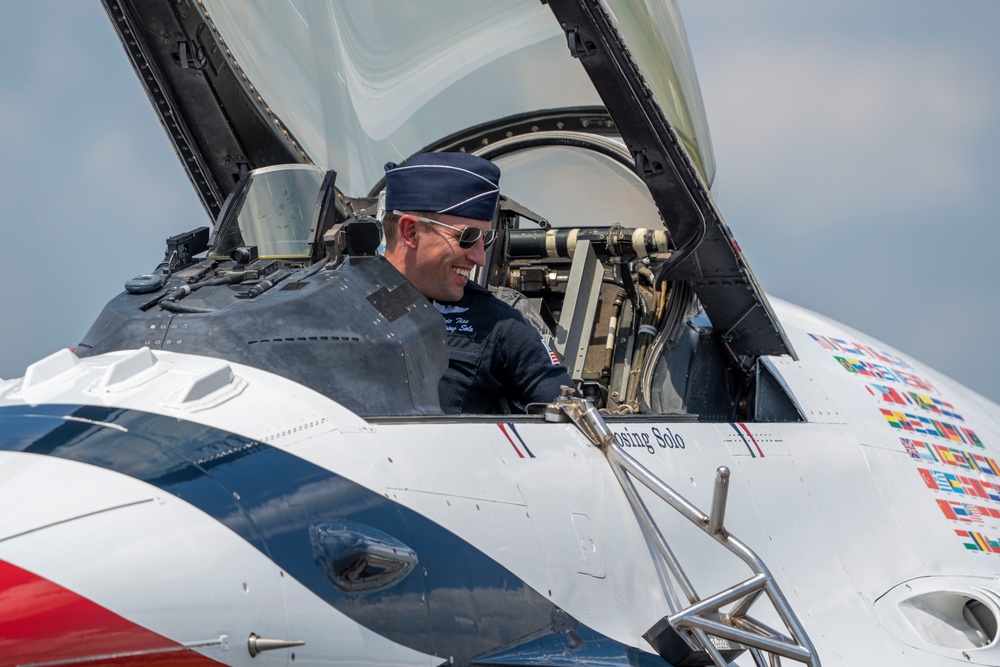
{"type": "Point", "coordinates": [359, 84]}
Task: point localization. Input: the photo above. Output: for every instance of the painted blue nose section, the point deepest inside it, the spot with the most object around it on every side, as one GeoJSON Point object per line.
{"type": "Point", "coordinates": [384, 566]}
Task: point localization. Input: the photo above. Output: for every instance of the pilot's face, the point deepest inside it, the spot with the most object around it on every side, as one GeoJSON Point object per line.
{"type": "Point", "coordinates": [442, 267]}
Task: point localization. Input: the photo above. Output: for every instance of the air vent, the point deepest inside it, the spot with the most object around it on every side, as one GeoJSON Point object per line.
{"type": "Point", "coordinates": [49, 368]}
{"type": "Point", "coordinates": [953, 616]}
{"type": "Point", "coordinates": [951, 619]}
{"type": "Point", "coordinates": [982, 619]}
{"type": "Point", "coordinates": [307, 339]}
{"type": "Point", "coordinates": [359, 558]}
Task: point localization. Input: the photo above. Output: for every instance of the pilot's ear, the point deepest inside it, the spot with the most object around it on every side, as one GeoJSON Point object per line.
{"type": "Point", "coordinates": [408, 231]}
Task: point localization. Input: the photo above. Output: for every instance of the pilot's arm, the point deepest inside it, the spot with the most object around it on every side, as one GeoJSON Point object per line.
{"type": "Point", "coordinates": [525, 366]}
{"type": "Point", "coordinates": [497, 362]}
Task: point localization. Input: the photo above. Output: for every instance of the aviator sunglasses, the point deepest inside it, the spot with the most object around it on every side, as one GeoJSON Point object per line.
{"type": "Point", "coordinates": [467, 237]}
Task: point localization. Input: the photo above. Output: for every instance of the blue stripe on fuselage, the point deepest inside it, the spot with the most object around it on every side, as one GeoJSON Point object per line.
{"type": "Point", "coordinates": [457, 603]}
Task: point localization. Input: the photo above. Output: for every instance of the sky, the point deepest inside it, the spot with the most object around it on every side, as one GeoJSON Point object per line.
{"type": "Point", "coordinates": [858, 152]}
{"type": "Point", "coordinates": [857, 146]}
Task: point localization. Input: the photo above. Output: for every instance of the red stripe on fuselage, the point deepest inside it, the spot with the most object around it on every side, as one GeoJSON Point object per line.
{"type": "Point", "coordinates": [752, 439]}
{"type": "Point", "coordinates": [42, 622]}
{"type": "Point", "coordinates": [510, 440]}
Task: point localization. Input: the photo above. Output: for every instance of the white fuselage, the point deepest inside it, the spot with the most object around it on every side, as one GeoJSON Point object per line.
{"type": "Point", "coordinates": [883, 503]}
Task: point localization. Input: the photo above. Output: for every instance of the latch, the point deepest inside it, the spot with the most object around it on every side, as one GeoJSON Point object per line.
{"type": "Point", "coordinates": [578, 46]}
{"type": "Point", "coordinates": [189, 55]}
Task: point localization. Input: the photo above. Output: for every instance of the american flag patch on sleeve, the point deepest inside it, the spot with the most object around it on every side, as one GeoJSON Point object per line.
{"type": "Point", "coordinates": [552, 355]}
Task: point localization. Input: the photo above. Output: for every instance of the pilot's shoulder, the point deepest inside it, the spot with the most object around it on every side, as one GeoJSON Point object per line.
{"type": "Point", "coordinates": [480, 304]}
{"type": "Point", "coordinates": [486, 300]}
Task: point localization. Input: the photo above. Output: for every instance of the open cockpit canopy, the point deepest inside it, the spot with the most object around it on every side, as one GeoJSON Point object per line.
{"type": "Point", "coordinates": [590, 107]}
{"type": "Point", "coordinates": [358, 83]}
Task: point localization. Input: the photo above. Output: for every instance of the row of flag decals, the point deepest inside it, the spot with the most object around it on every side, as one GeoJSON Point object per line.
{"type": "Point", "coordinates": [905, 421]}
{"type": "Point", "coordinates": [960, 484]}
{"type": "Point", "coordinates": [858, 350]}
{"type": "Point", "coordinates": [966, 512]}
{"type": "Point", "coordinates": [979, 542]}
{"type": "Point", "coordinates": [883, 372]}
{"type": "Point", "coordinates": [903, 394]}
{"type": "Point", "coordinates": [913, 399]}
{"type": "Point", "coordinates": [949, 456]}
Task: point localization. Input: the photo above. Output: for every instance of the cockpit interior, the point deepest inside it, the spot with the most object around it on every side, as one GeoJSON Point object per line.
{"type": "Point", "coordinates": [608, 239]}
{"type": "Point", "coordinates": [291, 282]}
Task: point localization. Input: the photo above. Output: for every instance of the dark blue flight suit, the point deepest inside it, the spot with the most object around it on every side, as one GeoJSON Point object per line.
{"type": "Point", "coordinates": [497, 361]}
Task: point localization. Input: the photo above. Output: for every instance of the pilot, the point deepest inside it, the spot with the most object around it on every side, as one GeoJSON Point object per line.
{"type": "Point", "coordinates": [438, 223]}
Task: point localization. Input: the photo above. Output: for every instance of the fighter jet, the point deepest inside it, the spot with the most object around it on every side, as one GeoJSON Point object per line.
{"type": "Point", "coordinates": [244, 461]}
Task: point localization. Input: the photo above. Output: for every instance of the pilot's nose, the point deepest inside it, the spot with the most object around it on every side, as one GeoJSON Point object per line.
{"type": "Point", "coordinates": [477, 253]}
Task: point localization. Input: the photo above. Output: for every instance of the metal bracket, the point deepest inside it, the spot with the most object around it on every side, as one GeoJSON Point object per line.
{"type": "Point", "coordinates": [576, 321]}
{"type": "Point", "coordinates": [702, 633]}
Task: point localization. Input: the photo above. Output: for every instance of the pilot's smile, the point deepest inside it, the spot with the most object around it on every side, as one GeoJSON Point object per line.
{"type": "Point", "coordinates": [448, 266]}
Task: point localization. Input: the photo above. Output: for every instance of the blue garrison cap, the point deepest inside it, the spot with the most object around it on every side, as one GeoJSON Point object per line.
{"type": "Point", "coordinates": [454, 183]}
